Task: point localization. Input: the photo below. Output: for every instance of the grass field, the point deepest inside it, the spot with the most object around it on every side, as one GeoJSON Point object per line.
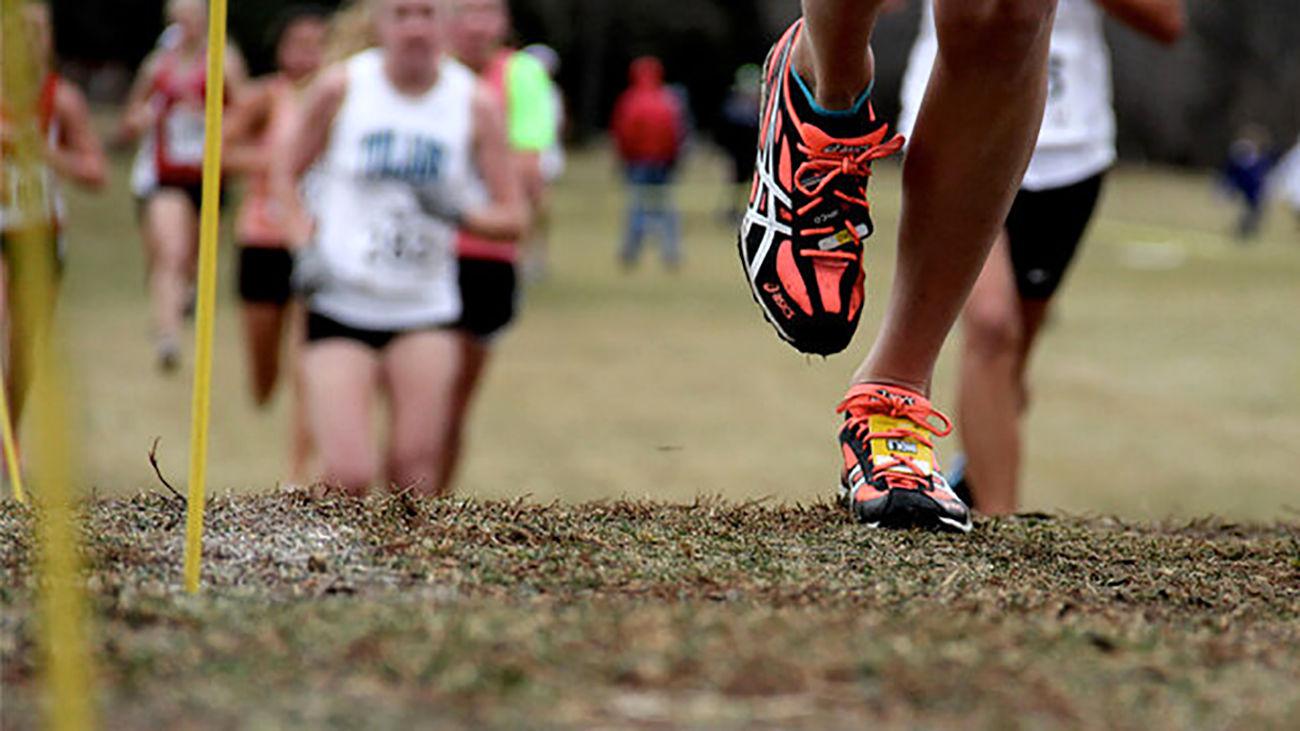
{"type": "Point", "coordinates": [1169, 383]}
{"type": "Point", "coordinates": [473, 614]}
{"type": "Point", "coordinates": [642, 537]}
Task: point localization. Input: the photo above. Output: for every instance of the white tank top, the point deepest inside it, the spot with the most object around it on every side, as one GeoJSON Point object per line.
{"type": "Point", "coordinates": [1077, 139]}
{"type": "Point", "coordinates": [391, 267]}
{"type": "Point", "coordinates": [45, 190]}
{"type": "Point", "coordinates": [39, 184]}
{"type": "Point", "coordinates": [144, 178]}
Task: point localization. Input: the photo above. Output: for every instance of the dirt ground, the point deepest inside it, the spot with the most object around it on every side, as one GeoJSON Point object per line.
{"type": "Point", "coordinates": [392, 613]}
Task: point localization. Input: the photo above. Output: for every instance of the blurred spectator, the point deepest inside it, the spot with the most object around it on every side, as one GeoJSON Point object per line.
{"type": "Point", "coordinates": [1244, 175]}
{"type": "Point", "coordinates": [649, 130]}
{"type": "Point", "coordinates": [737, 135]}
{"type": "Point", "coordinates": [488, 272]}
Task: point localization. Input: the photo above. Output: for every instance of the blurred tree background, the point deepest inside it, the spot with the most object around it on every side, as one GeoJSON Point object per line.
{"type": "Point", "coordinates": [1239, 63]}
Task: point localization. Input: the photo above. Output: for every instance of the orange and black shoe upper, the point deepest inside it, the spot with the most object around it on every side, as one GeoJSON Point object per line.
{"type": "Point", "coordinates": [891, 476]}
{"type": "Point", "coordinates": [801, 240]}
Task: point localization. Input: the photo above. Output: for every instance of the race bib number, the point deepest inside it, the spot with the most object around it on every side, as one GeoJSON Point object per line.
{"type": "Point", "coordinates": [1058, 115]}
{"type": "Point", "coordinates": [184, 137]}
{"type": "Point", "coordinates": [403, 249]}
{"type": "Point", "coordinates": [1055, 77]}
{"type": "Point", "coordinates": [24, 191]}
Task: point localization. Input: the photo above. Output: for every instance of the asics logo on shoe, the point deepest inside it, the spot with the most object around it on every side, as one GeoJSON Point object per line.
{"type": "Point", "coordinates": [840, 148]}
{"type": "Point", "coordinates": [779, 301]}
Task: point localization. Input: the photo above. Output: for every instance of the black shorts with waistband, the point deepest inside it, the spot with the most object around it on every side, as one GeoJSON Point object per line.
{"type": "Point", "coordinates": [322, 327]}
{"type": "Point", "coordinates": [192, 191]}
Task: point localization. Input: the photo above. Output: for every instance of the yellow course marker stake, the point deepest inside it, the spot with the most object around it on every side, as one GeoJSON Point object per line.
{"type": "Point", "coordinates": [66, 672]}
{"type": "Point", "coordinates": [208, 220]}
{"type": "Point", "coordinates": [7, 429]}
{"type": "Point", "coordinates": [207, 298]}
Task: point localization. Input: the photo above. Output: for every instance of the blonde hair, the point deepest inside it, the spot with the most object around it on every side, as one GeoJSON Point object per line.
{"type": "Point", "coordinates": [352, 31]}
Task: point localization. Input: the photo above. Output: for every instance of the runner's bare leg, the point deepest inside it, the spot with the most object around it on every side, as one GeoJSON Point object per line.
{"type": "Point", "coordinates": [973, 138]}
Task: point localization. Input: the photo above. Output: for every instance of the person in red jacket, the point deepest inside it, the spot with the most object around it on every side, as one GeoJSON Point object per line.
{"type": "Point", "coordinates": [649, 129]}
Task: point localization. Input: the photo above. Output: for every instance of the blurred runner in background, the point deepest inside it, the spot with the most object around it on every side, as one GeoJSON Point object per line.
{"type": "Point", "coordinates": [1288, 180]}
{"type": "Point", "coordinates": [489, 276]}
{"type": "Point", "coordinates": [72, 151]}
{"type": "Point", "coordinates": [408, 148]}
{"type": "Point", "coordinates": [254, 132]}
{"type": "Point", "coordinates": [165, 110]}
{"type": "Point", "coordinates": [1047, 222]}
{"type": "Point", "coordinates": [551, 164]}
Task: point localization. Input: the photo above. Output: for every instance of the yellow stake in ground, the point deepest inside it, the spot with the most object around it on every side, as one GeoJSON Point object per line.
{"type": "Point", "coordinates": [207, 296]}
{"type": "Point", "coordinates": [7, 429]}
{"type": "Point", "coordinates": [64, 639]}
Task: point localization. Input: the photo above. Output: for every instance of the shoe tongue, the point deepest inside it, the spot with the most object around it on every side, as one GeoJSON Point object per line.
{"type": "Point", "coordinates": [899, 446]}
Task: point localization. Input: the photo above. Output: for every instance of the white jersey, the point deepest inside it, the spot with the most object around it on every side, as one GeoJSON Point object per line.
{"type": "Point", "coordinates": [390, 266]}
{"type": "Point", "coordinates": [1288, 178]}
{"type": "Point", "coordinates": [44, 190]}
{"type": "Point", "coordinates": [39, 184]}
{"type": "Point", "coordinates": [1077, 139]}
{"type": "Point", "coordinates": [144, 176]}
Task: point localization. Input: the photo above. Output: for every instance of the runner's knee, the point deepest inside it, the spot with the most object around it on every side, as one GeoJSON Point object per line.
{"type": "Point", "coordinates": [983, 32]}
{"type": "Point", "coordinates": [170, 258]}
{"type": "Point", "coordinates": [992, 329]}
{"type": "Point", "coordinates": [169, 249]}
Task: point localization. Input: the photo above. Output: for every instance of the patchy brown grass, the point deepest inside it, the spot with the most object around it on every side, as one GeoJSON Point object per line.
{"type": "Point", "coordinates": [389, 613]}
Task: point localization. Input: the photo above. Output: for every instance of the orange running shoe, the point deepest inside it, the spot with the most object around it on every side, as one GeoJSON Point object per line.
{"type": "Point", "coordinates": [891, 476]}
{"type": "Point", "coordinates": [801, 240]}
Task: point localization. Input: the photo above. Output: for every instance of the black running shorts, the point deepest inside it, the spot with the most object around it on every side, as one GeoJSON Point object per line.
{"type": "Point", "coordinates": [264, 274]}
{"type": "Point", "coordinates": [192, 191]}
{"type": "Point", "coordinates": [321, 327]}
{"type": "Point", "coordinates": [488, 291]}
{"type": "Point", "coordinates": [1044, 229]}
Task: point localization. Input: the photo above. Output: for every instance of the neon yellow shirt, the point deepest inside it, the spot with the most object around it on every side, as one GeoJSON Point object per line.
{"type": "Point", "coordinates": [530, 106]}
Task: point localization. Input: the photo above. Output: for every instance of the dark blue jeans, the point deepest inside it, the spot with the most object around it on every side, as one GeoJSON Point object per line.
{"type": "Point", "coordinates": [651, 207]}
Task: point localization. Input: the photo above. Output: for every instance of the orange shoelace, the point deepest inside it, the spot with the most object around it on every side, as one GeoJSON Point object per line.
{"type": "Point", "coordinates": [867, 400]}
{"type": "Point", "coordinates": [833, 164]}
{"type": "Point", "coordinates": [830, 166]}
